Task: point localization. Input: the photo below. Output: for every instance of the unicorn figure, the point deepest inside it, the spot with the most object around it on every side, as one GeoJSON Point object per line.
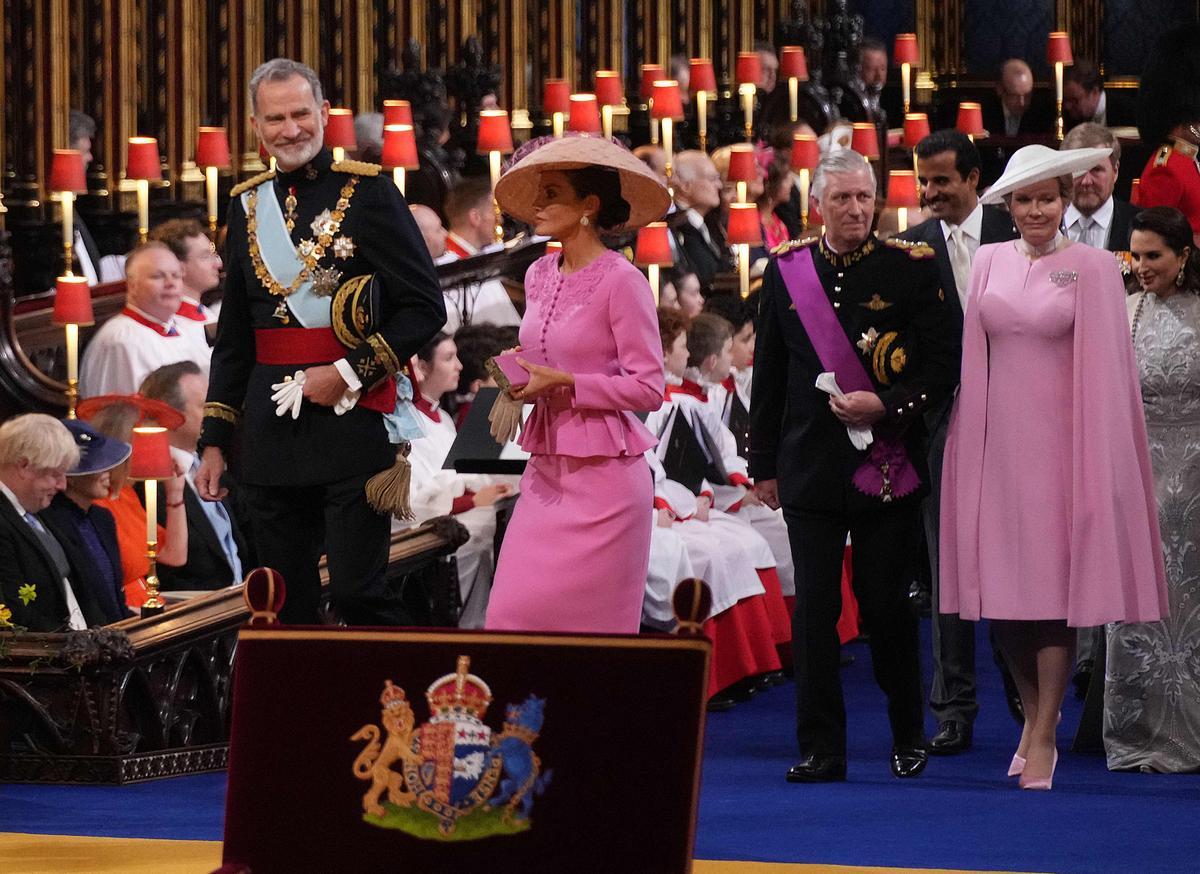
{"type": "Point", "coordinates": [522, 767]}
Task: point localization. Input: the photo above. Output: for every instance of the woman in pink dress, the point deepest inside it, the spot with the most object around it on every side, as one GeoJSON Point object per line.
{"type": "Point", "coordinates": [576, 551]}
{"type": "Point", "coordinates": [1048, 514]}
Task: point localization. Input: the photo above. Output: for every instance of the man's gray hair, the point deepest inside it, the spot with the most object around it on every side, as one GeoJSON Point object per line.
{"type": "Point", "coordinates": [39, 440]}
{"type": "Point", "coordinates": [841, 161]}
{"type": "Point", "coordinates": [1090, 135]}
{"type": "Point", "coordinates": [688, 165]}
{"type": "Point", "coordinates": [278, 69]}
{"type": "Point", "coordinates": [80, 126]}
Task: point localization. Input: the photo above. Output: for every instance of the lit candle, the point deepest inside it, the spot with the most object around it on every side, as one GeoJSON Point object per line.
{"type": "Point", "coordinates": [210, 184]}
{"type": "Point", "coordinates": [558, 124]}
{"type": "Point", "coordinates": [72, 352]}
{"type": "Point", "coordinates": [741, 192]}
{"type": "Point", "coordinates": [668, 144]}
{"type": "Point", "coordinates": [747, 92]}
{"type": "Point", "coordinates": [68, 228]}
{"type": "Point", "coordinates": [744, 269]}
{"type": "Point", "coordinates": [339, 153]}
{"type": "Point", "coordinates": [905, 74]}
{"type": "Point", "coordinates": [398, 178]}
{"type": "Point", "coordinates": [702, 117]}
{"type": "Point", "coordinates": [143, 204]}
{"type": "Point", "coordinates": [652, 274]}
{"type": "Point", "coordinates": [495, 160]}
{"type": "Point", "coordinates": [606, 120]}
{"type": "Point", "coordinates": [151, 511]}
{"type": "Point", "coordinates": [802, 175]}
{"type": "Point", "coordinates": [794, 99]}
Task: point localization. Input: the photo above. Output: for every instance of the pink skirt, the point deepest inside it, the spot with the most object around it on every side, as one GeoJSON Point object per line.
{"type": "Point", "coordinates": [577, 549]}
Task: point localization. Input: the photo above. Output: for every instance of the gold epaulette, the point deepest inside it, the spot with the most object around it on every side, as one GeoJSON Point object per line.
{"type": "Point", "coordinates": [1183, 147]}
{"type": "Point", "coordinates": [793, 245]}
{"type": "Point", "coordinates": [915, 249]}
{"type": "Point", "coordinates": [1162, 155]}
{"type": "Point", "coordinates": [356, 168]}
{"type": "Point", "coordinates": [252, 182]}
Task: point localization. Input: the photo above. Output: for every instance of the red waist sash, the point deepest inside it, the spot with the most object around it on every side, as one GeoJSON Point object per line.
{"type": "Point", "coordinates": [295, 346]}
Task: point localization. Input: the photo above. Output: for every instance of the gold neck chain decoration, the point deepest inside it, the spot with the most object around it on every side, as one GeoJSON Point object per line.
{"type": "Point", "coordinates": [289, 205]}
{"type": "Point", "coordinates": [309, 251]}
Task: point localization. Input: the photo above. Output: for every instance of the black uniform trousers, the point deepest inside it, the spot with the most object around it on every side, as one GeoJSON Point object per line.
{"type": "Point", "coordinates": [883, 545]}
{"type": "Point", "coordinates": [293, 523]}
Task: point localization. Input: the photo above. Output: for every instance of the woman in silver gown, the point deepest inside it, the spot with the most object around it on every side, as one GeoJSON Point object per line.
{"type": "Point", "coordinates": [1152, 681]}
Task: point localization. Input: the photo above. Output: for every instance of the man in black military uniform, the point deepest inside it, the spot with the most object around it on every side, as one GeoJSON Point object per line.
{"type": "Point", "coordinates": [883, 308]}
{"type": "Point", "coordinates": [297, 237]}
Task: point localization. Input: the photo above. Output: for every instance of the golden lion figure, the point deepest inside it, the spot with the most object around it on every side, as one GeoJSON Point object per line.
{"type": "Point", "coordinates": [375, 762]}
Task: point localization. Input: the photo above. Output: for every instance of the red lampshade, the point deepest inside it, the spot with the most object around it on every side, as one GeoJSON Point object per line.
{"type": "Point", "coordinates": [73, 301]}
{"type": "Point", "coordinates": [556, 96]}
{"type": "Point", "coordinates": [916, 128]}
{"type": "Point", "coordinates": [793, 64]}
{"type": "Point", "coordinates": [1058, 48]}
{"type": "Point", "coordinates": [902, 190]}
{"type": "Point", "coordinates": [806, 154]}
{"type": "Point", "coordinates": [151, 458]}
{"type": "Point", "coordinates": [142, 161]}
{"type": "Point", "coordinates": [67, 171]}
{"type": "Point", "coordinates": [653, 246]}
{"type": "Point", "coordinates": [905, 51]}
{"type": "Point", "coordinates": [1135, 194]}
{"type": "Point", "coordinates": [744, 226]}
{"type": "Point", "coordinates": [397, 112]}
{"type": "Point", "coordinates": [399, 147]}
{"type": "Point", "coordinates": [212, 147]}
{"type": "Point", "coordinates": [702, 76]}
{"type": "Point", "coordinates": [742, 166]}
{"type": "Point", "coordinates": [339, 132]}
{"type": "Point", "coordinates": [650, 72]}
{"type": "Point", "coordinates": [585, 114]}
{"type": "Point", "coordinates": [610, 90]}
{"type": "Point", "coordinates": [495, 135]}
{"type": "Point", "coordinates": [668, 102]}
{"type": "Point", "coordinates": [970, 119]}
{"type": "Point", "coordinates": [865, 140]}
{"type": "Point", "coordinates": [749, 68]}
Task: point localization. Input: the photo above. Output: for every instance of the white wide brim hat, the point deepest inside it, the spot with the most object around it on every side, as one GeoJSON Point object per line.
{"type": "Point", "coordinates": [1032, 164]}
{"type": "Point", "coordinates": [644, 192]}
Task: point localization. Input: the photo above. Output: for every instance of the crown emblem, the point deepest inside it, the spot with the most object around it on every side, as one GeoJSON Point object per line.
{"type": "Point", "coordinates": [460, 693]}
{"type": "Point", "coordinates": [392, 697]}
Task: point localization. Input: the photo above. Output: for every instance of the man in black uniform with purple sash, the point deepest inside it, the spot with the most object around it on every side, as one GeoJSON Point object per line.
{"type": "Point", "coordinates": [843, 453]}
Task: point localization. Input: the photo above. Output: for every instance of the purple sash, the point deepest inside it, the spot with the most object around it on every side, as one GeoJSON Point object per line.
{"type": "Point", "coordinates": [887, 472]}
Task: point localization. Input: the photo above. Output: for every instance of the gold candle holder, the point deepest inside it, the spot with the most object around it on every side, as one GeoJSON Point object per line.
{"type": "Point", "coordinates": [702, 118]}
{"type": "Point", "coordinates": [210, 190]}
{"type": "Point", "coordinates": [152, 605]}
{"type": "Point", "coordinates": [495, 161]}
{"type": "Point", "coordinates": [802, 176]}
{"type": "Point", "coordinates": [746, 91]}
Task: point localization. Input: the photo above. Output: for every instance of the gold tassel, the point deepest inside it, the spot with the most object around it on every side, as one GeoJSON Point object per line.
{"type": "Point", "coordinates": [387, 491]}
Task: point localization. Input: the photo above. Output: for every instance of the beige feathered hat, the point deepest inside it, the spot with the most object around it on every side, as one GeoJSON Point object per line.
{"type": "Point", "coordinates": [644, 192]}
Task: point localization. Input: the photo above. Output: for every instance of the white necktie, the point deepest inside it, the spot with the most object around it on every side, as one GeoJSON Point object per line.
{"type": "Point", "coordinates": [960, 263]}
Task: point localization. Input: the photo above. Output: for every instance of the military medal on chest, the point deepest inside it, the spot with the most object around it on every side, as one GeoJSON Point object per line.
{"type": "Point", "coordinates": [325, 279]}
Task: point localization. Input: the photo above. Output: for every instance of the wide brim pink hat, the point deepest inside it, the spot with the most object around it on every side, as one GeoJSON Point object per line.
{"type": "Point", "coordinates": [1038, 163]}
{"type": "Point", "coordinates": [645, 193]}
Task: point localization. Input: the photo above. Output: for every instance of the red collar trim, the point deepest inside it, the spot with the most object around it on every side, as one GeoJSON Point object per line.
{"type": "Point", "coordinates": [426, 406]}
{"type": "Point", "coordinates": [458, 246]}
{"type": "Point", "coordinates": [196, 312]}
{"type": "Point", "coordinates": [157, 327]}
{"type": "Point", "coordinates": [692, 389]}
{"type": "Point", "coordinates": [728, 384]}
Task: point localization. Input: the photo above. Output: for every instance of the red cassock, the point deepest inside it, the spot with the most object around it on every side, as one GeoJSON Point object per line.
{"type": "Point", "coordinates": [1172, 178]}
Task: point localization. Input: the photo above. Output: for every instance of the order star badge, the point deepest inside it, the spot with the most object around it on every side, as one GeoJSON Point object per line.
{"type": "Point", "coordinates": [343, 247]}
{"type": "Point", "coordinates": [326, 281]}
{"type": "Point", "coordinates": [306, 248]}
{"type": "Point", "coordinates": [867, 343]}
{"type": "Point", "coordinates": [323, 223]}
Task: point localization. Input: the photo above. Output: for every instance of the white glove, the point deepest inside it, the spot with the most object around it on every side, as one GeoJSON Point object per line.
{"type": "Point", "coordinates": [346, 402]}
{"type": "Point", "coordinates": [289, 394]}
{"type": "Point", "coordinates": [860, 435]}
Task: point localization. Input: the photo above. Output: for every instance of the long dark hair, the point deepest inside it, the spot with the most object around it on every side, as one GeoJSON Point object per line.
{"type": "Point", "coordinates": [1170, 224]}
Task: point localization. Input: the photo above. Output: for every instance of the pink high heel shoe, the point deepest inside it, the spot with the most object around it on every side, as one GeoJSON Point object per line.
{"type": "Point", "coordinates": [1017, 767]}
{"type": "Point", "coordinates": [1046, 782]}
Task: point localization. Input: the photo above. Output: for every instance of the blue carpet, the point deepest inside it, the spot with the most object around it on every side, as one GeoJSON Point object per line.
{"type": "Point", "coordinates": [962, 813]}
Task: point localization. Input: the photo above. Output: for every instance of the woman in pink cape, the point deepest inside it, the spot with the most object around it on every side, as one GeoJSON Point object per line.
{"type": "Point", "coordinates": [1048, 515]}
{"type": "Point", "coordinates": [576, 552]}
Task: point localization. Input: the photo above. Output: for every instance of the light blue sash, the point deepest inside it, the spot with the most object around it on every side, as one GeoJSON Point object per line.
{"type": "Point", "coordinates": [283, 261]}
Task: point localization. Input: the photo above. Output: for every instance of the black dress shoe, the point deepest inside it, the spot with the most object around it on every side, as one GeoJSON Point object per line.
{"type": "Point", "coordinates": [952, 737]}
{"type": "Point", "coordinates": [818, 769]}
{"type": "Point", "coordinates": [909, 761]}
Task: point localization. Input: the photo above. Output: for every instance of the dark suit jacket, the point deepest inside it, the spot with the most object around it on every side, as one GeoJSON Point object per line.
{"type": "Point", "coordinates": [704, 259]}
{"type": "Point", "coordinates": [207, 566]}
{"type": "Point", "coordinates": [23, 560]}
{"type": "Point", "coordinates": [60, 518]}
{"type": "Point", "coordinates": [1122, 226]}
{"type": "Point", "coordinates": [1038, 118]}
{"type": "Point", "coordinates": [997, 227]}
